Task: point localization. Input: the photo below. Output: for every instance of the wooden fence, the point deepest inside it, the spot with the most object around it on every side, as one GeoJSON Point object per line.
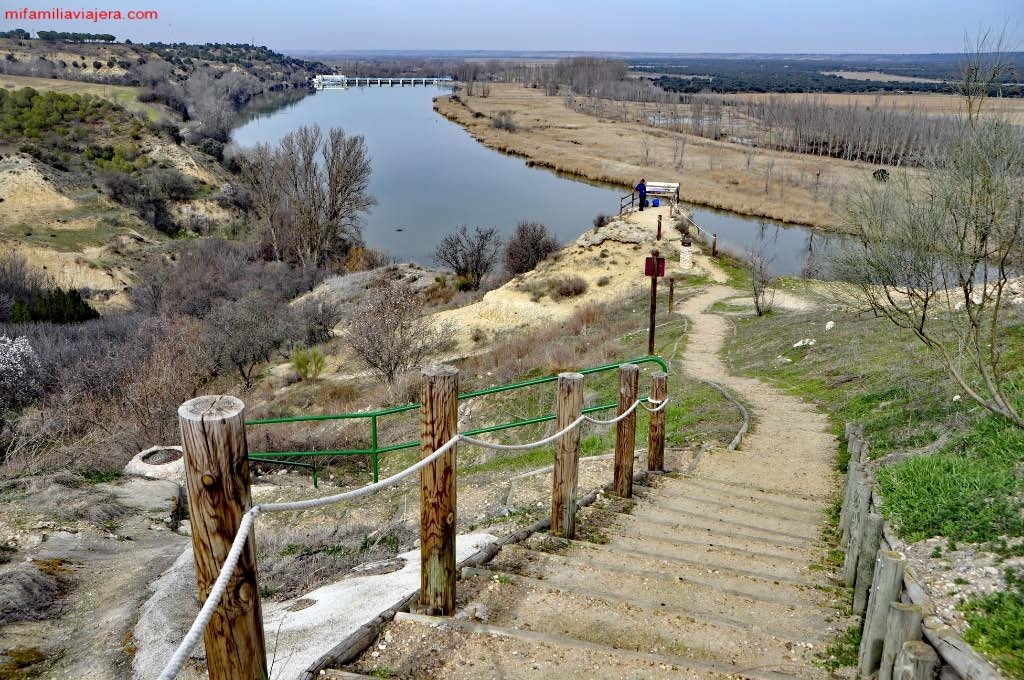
{"type": "Point", "coordinates": [902, 638]}
{"type": "Point", "coordinates": [217, 480]}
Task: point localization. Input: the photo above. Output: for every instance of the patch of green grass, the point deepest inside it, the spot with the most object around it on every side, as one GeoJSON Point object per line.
{"type": "Point", "coordinates": [381, 672]}
{"type": "Point", "coordinates": [996, 625]}
{"type": "Point", "coordinates": [863, 370]}
{"type": "Point", "coordinates": [102, 476]}
{"type": "Point", "coordinates": [969, 492]}
{"type": "Point", "coordinates": [842, 652]}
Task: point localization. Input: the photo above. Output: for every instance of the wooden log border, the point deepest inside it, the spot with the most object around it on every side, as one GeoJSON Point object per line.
{"type": "Point", "coordinates": [957, 658]}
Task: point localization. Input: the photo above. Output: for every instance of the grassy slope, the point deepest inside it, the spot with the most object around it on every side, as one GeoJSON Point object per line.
{"type": "Point", "coordinates": [969, 490]}
{"type": "Point", "coordinates": [126, 97]}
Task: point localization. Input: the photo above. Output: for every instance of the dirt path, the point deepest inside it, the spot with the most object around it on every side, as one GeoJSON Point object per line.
{"type": "Point", "coordinates": [791, 449]}
{"type": "Point", "coordinates": [711, 573]}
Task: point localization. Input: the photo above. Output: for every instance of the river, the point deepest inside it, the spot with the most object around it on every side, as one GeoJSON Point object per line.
{"type": "Point", "coordinates": [429, 177]}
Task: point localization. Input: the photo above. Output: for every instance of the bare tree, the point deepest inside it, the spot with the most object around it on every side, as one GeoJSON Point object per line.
{"type": "Point", "coordinates": [260, 169]}
{"type": "Point", "coordinates": [762, 282]}
{"type": "Point", "coordinates": [389, 333]}
{"type": "Point", "coordinates": [471, 256]}
{"type": "Point", "coordinates": [310, 193]}
{"type": "Point", "coordinates": [934, 255]}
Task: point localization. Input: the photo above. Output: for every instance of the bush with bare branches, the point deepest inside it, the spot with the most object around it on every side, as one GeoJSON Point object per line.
{"type": "Point", "coordinates": [471, 256]}
{"type": "Point", "coordinates": [528, 246]}
{"type": "Point", "coordinates": [389, 333]}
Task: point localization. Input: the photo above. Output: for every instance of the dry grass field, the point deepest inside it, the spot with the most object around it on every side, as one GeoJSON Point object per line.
{"type": "Point", "coordinates": [784, 186]}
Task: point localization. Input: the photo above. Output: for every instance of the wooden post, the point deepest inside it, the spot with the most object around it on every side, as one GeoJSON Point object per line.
{"type": "Point", "coordinates": [438, 423]}
{"type": "Point", "coordinates": [217, 480]}
{"type": "Point", "coordinates": [861, 501]}
{"type": "Point", "coordinates": [625, 431]}
{"type": "Point", "coordinates": [659, 227]}
{"type": "Point", "coordinates": [656, 425]}
{"type": "Point", "coordinates": [885, 589]}
{"type": "Point", "coordinates": [902, 625]}
{"type": "Point", "coordinates": [854, 473]}
{"type": "Point", "coordinates": [916, 661]}
{"type": "Point", "coordinates": [671, 293]}
{"type": "Point", "coordinates": [654, 304]}
{"type": "Point", "coordinates": [870, 540]}
{"type": "Point", "coordinates": [714, 245]}
{"type": "Point", "coordinates": [567, 454]}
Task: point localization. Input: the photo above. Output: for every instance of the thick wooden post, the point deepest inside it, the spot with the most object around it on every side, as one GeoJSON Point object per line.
{"type": "Point", "coordinates": [671, 293]}
{"type": "Point", "coordinates": [567, 455]}
{"type": "Point", "coordinates": [916, 661]}
{"type": "Point", "coordinates": [861, 502]}
{"type": "Point", "coordinates": [885, 589]}
{"type": "Point", "coordinates": [439, 393]}
{"type": "Point", "coordinates": [714, 245]}
{"type": "Point", "coordinates": [625, 431]}
{"type": "Point", "coordinates": [903, 625]}
{"type": "Point", "coordinates": [656, 425]}
{"type": "Point", "coordinates": [870, 541]}
{"type": "Point", "coordinates": [659, 227]}
{"type": "Point", "coordinates": [217, 480]}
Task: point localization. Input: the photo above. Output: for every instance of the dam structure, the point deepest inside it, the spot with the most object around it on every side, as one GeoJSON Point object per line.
{"type": "Point", "coordinates": [333, 82]}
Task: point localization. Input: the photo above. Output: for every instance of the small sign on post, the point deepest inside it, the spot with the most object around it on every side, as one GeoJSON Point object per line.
{"type": "Point", "coordinates": [650, 267]}
{"type": "Point", "coordinates": [654, 266]}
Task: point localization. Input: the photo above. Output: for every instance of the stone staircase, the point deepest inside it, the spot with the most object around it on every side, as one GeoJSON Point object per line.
{"type": "Point", "coordinates": [693, 578]}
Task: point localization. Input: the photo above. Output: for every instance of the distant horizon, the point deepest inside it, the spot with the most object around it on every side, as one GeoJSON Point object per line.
{"type": "Point", "coordinates": [611, 53]}
{"type": "Point", "coordinates": [678, 27]}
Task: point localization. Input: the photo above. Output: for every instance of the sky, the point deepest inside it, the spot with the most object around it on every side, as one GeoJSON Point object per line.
{"type": "Point", "coordinates": [688, 26]}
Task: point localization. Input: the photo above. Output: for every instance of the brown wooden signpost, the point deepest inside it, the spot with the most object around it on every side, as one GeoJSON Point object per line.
{"type": "Point", "coordinates": [654, 266]}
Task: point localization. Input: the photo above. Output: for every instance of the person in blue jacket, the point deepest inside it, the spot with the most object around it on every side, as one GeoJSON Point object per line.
{"type": "Point", "coordinates": [642, 190]}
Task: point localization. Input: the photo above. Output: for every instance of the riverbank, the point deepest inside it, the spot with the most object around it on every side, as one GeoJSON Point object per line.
{"type": "Point", "coordinates": [757, 182]}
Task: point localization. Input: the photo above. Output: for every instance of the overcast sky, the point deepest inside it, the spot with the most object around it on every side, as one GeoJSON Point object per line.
{"type": "Point", "coordinates": [575, 25]}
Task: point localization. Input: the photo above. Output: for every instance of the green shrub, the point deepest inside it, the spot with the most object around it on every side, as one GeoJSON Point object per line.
{"type": "Point", "coordinates": [308, 363]}
{"type": "Point", "coordinates": [56, 306]}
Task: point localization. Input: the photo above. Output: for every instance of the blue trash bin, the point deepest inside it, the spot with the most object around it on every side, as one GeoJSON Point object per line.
{"type": "Point", "coordinates": [657, 202]}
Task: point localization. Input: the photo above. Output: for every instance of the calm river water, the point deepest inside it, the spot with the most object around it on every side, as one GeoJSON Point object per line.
{"type": "Point", "coordinates": [430, 176]}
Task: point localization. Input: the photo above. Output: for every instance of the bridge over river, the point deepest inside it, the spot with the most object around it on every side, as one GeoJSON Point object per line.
{"type": "Point", "coordinates": [330, 82]}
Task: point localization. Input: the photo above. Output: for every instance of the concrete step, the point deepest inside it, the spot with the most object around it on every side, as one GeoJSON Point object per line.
{"type": "Point", "coordinates": [759, 610]}
{"type": "Point", "coordinates": [714, 489]}
{"type": "Point", "coordinates": [474, 650]}
{"type": "Point", "coordinates": [788, 495]}
{"type": "Point", "coordinates": [633, 534]}
{"type": "Point", "coordinates": [663, 558]}
{"type": "Point", "coordinates": [757, 505]}
{"type": "Point", "coordinates": [598, 616]}
{"type": "Point", "coordinates": [743, 519]}
{"type": "Point", "coordinates": [682, 521]}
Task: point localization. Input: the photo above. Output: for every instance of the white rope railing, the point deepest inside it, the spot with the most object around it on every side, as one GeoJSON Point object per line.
{"type": "Point", "coordinates": [220, 585]}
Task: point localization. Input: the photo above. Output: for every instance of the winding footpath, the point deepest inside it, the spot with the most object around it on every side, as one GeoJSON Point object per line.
{"type": "Point", "coordinates": [709, 572]}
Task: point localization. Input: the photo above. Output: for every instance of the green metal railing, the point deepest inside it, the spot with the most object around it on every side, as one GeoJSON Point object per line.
{"type": "Point", "coordinates": [375, 450]}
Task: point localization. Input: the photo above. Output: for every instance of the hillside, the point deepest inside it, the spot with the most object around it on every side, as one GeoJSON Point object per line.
{"type": "Point", "coordinates": [106, 149]}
